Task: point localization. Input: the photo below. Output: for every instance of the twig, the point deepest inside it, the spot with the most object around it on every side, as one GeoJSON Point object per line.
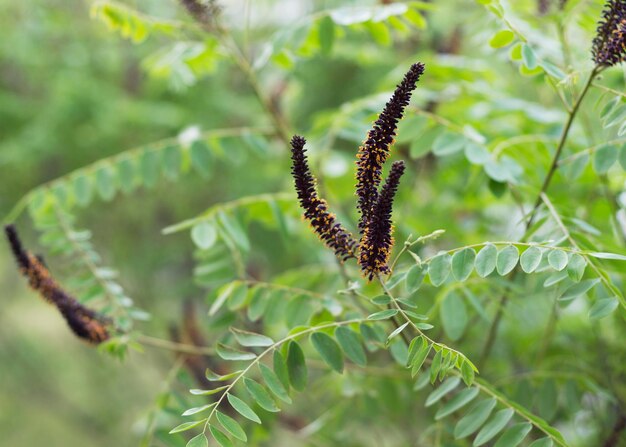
{"type": "Point", "coordinates": [171, 375]}
{"type": "Point", "coordinates": [607, 284]}
{"type": "Point", "coordinates": [544, 187]}
{"type": "Point", "coordinates": [618, 428]}
{"type": "Point", "coordinates": [173, 346]}
{"type": "Point", "coordinates": [557, 155]}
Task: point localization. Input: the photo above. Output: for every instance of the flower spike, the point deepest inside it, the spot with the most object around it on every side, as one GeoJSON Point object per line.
{"type": "Point", "coordinates": [315, 208]}
{"type": "Point", "coordinates": [609, 45]}
{"type": "Point", "coordinates": [84, 322]}
{"type": "Point", "coordinates": [377, 240]}
{"type": "Point", "coordinates": [375, 150]}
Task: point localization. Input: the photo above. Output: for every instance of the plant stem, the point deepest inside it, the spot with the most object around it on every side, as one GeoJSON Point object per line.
{"type": "Point", "coordinates": [180, 348]}
{"type": "Point", "coordinates": [354, 297]}
{"type": "Point", "coordinates": [271, 349]}
{"type": "Point", "coordinates": [244, 65]}
{"type": "Point", "coordinates": [548, 334]}
{"type": "Point", "coordinates": [600, 274]}
{"type": "Point", "coordinates": [614, 206]}
{"type": "Point", "coordinates": [493, 330]}
{"type": "Point", "coordinates": [614, 437]}
{"type": "Point", "coordinates": [148, 435]}
{"type": "Point", "coordinates": [557, 155]}
{"type": "Point", "coordinates": [406, 318]}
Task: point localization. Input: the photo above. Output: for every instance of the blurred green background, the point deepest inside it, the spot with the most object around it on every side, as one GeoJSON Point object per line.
{"type": "Point", "coordinates": [73, 92]}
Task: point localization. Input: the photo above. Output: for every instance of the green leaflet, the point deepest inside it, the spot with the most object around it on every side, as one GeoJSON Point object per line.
{"type": "Point", "coordinates": [260, 395]}
{"type": "Point", "coordinates": [443, 389]}
{"type": "Point", "coordinates": [231, 426]}
{"type": "Point", "coordinates": [251, 339]}
{"type": "Point", "coordinates": [474, 418]}
{"type": "Point", "coordinates": [463, 263]}
{"type": "Point", "coordinates": [274, 384]}
{"type": "Point", "coordinates": [439, 269]}
{"type": "Point", "coordinates": [220, 437]}
{"type": "Point", "coordinates": [486, 260]}
{"type": "Point", "coordinates": [242, 408]}
{"type": "Point", "coordinates": [557, 259]}
{"type": "Point", "coordinates": [454, 317]}
{"type": "Point", "coordinates": [514, 435]}
{"type": "Point", "coordinates": [351, 345]}
{"type": "Point", "coordinates": [493, 427]}
{"type": "Point", "coordinates": [458, 401]}
{"type": "Point", "coordinates": [530, 259]}
{"type": "Point", "coordinates": [296, 366]}
{"type": "Point", "coordinates": [328, 349]}
{"type": "Point", "coordinates": [198, 441]}
{"type": "Point", "coordinates": [507, 259]}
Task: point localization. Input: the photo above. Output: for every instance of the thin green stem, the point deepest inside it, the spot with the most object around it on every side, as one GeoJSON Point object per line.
{"type": "Point", "coordinates": [548, 334]}
{"type": "Point", "coordinates": [17, 210]}
{"type": "Point", "coordinates": [406, 318]}
{"type": "Point", "coordinates": [267, 351]}
{"type": "Point", "coordinates": [493, 329]}
{"type": "Point", "coordinates": [132, 153]}
{"type": "Point", "coordinates": [565, 49]}
{"type": "Point", "coordinates": [350, 290]}
{"type": "Point", "coordinates": [557, 155]}
{"type": "Point", "coordinates": [518, 140]}
{"type": "Point", "coordinates": [244, 65]}
{"type": "Point", "coordinates": [488, 389]}
{"type": "Point", "coordinates": [213, 210]}
{"type": "Point", "coordinates": [173, 346]}
{"type": "Point", "coordinates": [614, 206]}
{"type": "Point", "coordinates": [85, 257]}
{"type": "Point", "coordinates": [589, 151]}
{"type": "Point", "coordinates": [603, 278]}
{"type": "Point", "coordinates": [146, 440]}
{"type": "Point", "coordinates": [609, 89]}
{"type": "Point", "coordinates": [576, 250]}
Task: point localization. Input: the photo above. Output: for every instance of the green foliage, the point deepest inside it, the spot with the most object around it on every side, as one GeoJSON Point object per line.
{"type": "Point", "coordinates": [513, 144]}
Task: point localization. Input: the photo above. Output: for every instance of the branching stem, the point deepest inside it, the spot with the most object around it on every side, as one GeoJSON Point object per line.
{"type": "Point", "coordinates": [493, 329]}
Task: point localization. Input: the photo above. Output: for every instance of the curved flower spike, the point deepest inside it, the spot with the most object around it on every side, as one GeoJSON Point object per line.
{"type": "Point", "coordinates": [609, 45]}
{"type": "Point", "coordinates": [375, 150]}
{"type": "Point", "coordinates": [84, 322]}
{"type": "Point", "coordinates": [324, 223]}
{"type": "Point", "coordinates": [377, 241]}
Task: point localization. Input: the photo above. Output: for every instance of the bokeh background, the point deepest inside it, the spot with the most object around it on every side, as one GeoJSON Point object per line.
{"type": "Point", "coordinates": [73, 91]}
